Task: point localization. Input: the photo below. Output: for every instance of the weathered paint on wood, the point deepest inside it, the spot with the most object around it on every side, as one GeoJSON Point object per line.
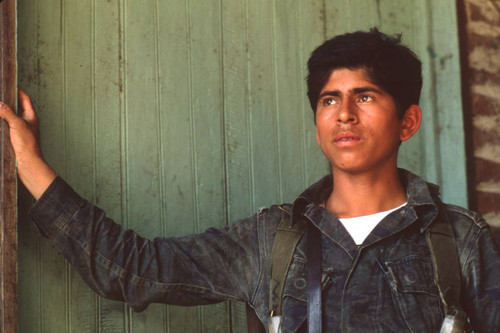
{"type": "Point", "coordinates": [8, 177]}
{"type": "Point", "coordinates": [178, 115]}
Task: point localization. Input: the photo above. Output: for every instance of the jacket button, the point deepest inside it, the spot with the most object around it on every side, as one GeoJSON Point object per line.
{"type": "Point", "coordinates": [410, 277]}
{"type": "Point", "coordinates": [300, 283]}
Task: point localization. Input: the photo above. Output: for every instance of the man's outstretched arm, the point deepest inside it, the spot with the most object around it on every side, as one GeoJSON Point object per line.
{"type": "Point", "coordinates": [219, 264]}
{"type": "Point", "coordinates": [32, 169]}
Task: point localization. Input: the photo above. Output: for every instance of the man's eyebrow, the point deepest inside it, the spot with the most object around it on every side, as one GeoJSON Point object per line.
{"type": "Point", "coordinates": [357, 90]}
{"type": "Point", "coordinates": [329, 93]}
{"type": "Point", "coordinates": [366, 89]}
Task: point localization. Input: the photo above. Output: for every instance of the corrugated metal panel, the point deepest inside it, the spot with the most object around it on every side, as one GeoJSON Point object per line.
{"type": "Point", "coordinates": [176, 115]}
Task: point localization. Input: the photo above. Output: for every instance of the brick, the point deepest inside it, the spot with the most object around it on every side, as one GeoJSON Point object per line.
{"type": "Point", "coordinates": [483, 11]}
{"type": "Point", "coordinates": [480, 77]}
{"type": "Point", "coordinates": [483, 105]}
{"type": "Point", "coordinates": [486, 171]}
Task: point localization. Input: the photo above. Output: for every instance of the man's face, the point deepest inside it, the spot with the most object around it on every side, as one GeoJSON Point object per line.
{"type": "Point", "coordinates": [357, 125]}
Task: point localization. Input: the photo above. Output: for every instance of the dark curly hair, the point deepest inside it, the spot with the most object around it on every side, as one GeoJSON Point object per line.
{"type": "Point", "coordinates": [389, 64]}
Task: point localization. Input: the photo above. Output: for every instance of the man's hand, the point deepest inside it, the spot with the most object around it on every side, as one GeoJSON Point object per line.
{"type": "Point", "coordinates": [33, 171]}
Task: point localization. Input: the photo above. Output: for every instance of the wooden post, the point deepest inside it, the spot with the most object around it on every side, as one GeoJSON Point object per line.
{"type": "Point", "coordinates": [8, 179]}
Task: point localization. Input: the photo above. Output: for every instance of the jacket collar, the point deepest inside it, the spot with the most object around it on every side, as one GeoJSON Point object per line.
{"type": "Point", "coordinates": [421, 195]}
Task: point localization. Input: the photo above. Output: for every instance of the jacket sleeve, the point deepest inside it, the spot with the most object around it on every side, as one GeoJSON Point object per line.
{"type": "Point", "coordinates": [218, 264]}
{"type": "Point", "coordinates": [481, 284]}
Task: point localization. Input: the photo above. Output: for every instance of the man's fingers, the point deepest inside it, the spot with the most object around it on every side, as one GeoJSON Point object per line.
{"type": "Point", "coordinates": [7, 113]}
{"type": "Point", "coordinates": [25, 106]}
{"type": "Point", "coordinates": [28, 112]}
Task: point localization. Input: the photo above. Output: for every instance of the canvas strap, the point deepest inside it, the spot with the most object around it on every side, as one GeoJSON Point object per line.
{"type": "Point", "coordinates": [442, 244]}
{"type": "Point", "coordinates": [287, 237]}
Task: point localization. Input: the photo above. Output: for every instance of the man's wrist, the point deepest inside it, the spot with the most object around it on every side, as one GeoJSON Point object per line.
{"type": "Point", "coordinates": [36, 175]}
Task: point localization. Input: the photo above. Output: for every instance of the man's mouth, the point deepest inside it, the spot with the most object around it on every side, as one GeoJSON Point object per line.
{"type": "Point", "coordinates": [345, 139]}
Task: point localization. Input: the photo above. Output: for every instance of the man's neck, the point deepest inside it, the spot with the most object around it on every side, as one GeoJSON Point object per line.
{"type": "Point", "coordinates": [365, 194]}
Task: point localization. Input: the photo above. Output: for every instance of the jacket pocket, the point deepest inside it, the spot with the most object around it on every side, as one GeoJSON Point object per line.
{"type": "Point", "coordinates": [414, 292]}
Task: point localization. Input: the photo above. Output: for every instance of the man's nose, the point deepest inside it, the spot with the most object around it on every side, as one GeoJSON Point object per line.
{"type": "Point", "coordinates": [347, 113]}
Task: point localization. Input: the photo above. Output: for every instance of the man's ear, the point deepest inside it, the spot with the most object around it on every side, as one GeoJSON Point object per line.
{"type": "Point", "coordinates": [411, 122]}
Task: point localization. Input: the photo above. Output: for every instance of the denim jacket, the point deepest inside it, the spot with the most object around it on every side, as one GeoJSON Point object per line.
{"type": "Point", "coordinates": [384, 285]}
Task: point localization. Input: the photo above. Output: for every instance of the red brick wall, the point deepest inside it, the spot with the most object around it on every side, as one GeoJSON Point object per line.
{"type": "Point", "coordinates": [480, 52]}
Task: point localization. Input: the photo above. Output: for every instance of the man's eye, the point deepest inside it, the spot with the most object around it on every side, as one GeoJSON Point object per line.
{"type": "Point", "coordinates": [365, 98]}
{"type": "Point", "coordinates": [328, 101]}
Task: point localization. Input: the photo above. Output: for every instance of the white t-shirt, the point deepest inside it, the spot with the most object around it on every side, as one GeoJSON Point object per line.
{"type": "Point", "coordinates": [359, 227]}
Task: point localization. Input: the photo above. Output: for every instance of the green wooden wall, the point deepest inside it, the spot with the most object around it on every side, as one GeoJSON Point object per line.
{"type": "Point", "coordinates": [177, 115]}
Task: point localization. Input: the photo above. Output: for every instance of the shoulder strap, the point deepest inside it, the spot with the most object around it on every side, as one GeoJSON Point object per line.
{"type": "Point", "coordinates": [441, 240]}
{"type": "Point", "coordinates": [287, 237]}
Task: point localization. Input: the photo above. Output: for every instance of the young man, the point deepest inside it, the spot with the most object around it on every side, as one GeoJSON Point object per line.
{"type": "Point", "coordinates": [376, 270]}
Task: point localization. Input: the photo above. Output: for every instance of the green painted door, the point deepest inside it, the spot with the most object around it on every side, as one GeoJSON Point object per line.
{"type": "Point", "coordinates": [177, 115]}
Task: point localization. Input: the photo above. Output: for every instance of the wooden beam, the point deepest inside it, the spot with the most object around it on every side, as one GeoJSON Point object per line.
{"type": "Point", "coordinates": [8, 179]}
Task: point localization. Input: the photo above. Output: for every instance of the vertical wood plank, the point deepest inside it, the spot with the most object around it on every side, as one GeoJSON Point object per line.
{"type": "Point", "coordinates": [79, 56]}
{"type": "Point", "coordinates": [29, 240]}
{"type": "Point", "coordinates": [336, 17]}
{"type": "Point", "coordinates": [428, 133]}
{"type": "Point", "coordinates": [262, 104]}
{"type": "Point", "coordinates": [8, 180]}
{"type": "Point", "coordinates": [179, 206]}
{"type": "Point", "coordinates": [364, 14]}
{"type": "Point", "coordinates": [177, 162]}
{"type": "Point", "coordinates": [124, 174]}
{"type": "Point", "coordinates": [288, 101]}
{"type": "Point", "coordinates": [397, 18]}
{"type": "Point", "coordinates": [353, 15]}
{"type": "Point", "coordinates": [236, 110]}
{"type": "Point", "coordinates": [144, 195]}
{"type": "Point", "coordinates": [50, 107]}
{"type": "Point", "coordinates": [238, 164]}
{"type": "Point", "coordinates": [208, 133]}
{"type": "Point", "coordinates": [107, 92]}
{"type": "Point", "coordinates": [313, 22]}
{"type": "Point", "coordinates": [446, 66]}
